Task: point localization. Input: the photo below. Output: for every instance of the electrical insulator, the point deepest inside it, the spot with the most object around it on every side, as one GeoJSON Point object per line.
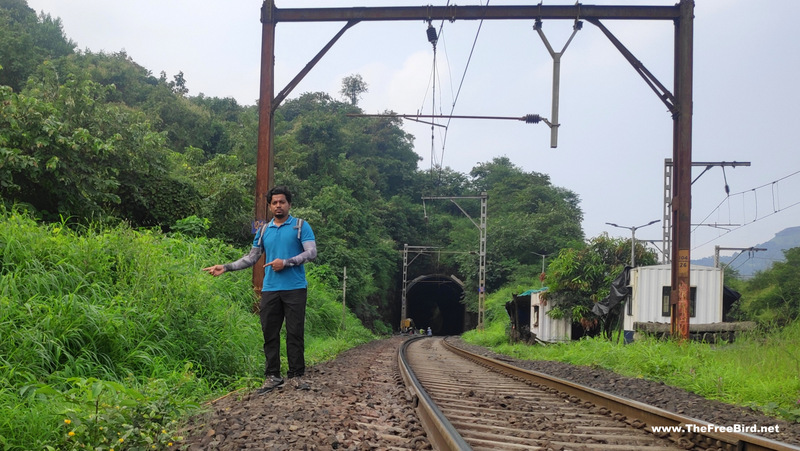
{"type": "Point", "coordinates": [532, 118]}
{"type": "Point", "coordinates": [432, 38]}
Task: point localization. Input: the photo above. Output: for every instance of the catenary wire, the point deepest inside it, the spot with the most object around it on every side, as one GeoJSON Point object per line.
{"type": "Point", "coordinates": [771, 184]}
{"type": "Point", "coordinates": [743, 225]}
{"type": "Point", "coordinates": [461, 83]}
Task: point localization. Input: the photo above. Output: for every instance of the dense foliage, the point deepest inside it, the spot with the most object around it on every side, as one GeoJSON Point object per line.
{"type": "Point", "coordinates": [581, 276]}
{"type": "Point", "coordinates": [96, 137]}
{"type": "Point", "coordinates": [119, 331]}
{"type": "Point", "coordinates": [26, 40]}
{"type": "Point", "coordinates": [773, 296]}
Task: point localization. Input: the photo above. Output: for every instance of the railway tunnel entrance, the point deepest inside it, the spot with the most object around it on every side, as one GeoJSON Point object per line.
{"type": "Point", "coordinates": [435, 301]}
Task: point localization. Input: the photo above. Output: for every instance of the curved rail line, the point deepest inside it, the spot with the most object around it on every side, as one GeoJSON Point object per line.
{"type": "Point", "coordinates": [466, 401]}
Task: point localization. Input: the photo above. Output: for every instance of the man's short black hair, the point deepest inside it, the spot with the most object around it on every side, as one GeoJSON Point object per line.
{"type": "Point", "coordinates": [279, 190]}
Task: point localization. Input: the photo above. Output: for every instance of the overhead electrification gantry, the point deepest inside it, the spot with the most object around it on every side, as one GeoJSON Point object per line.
{"type": "Point", "coordinates": [678, 102]}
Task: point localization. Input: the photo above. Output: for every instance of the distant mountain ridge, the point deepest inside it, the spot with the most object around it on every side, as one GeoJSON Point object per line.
{"type": "Point", "coordinates": [748, 263]}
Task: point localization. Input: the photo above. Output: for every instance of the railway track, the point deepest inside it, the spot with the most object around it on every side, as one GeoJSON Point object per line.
{"type": "Point", "coordinates": [466, 401]}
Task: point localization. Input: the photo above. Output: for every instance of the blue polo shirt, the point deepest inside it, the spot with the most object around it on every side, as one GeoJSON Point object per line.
{"type": "Point", "coordinates": [282, 242]}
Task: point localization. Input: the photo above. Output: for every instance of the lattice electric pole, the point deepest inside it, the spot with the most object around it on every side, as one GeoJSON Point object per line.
{"type": "Point", "coordinates": [403, 308]}
{"type": "Point", "coordinates": [482, 265]}
{"type": "Point", "coordinates": [403, 298]}
{"type": "Point", "coordinates": [667, 236]}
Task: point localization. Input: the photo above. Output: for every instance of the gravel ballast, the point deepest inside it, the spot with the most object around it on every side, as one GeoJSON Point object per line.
{"type": "Point", "coordinates": [358, 402]}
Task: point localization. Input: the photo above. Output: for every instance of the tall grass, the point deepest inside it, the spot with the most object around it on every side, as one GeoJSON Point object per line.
{"type": "Point", "coordinates": [103, 328]}
{"type": "Point", "coordinates": [760, 370]}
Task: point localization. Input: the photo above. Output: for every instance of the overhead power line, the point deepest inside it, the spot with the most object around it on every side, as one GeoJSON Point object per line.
{"type": "Point", "coordinates": [461, 83]}
{"type": "Point", "coordinates": [776, 206]}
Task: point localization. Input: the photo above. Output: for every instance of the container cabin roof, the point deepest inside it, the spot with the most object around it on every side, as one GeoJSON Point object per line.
{"type": "Point", "coordinates": [532, 291]}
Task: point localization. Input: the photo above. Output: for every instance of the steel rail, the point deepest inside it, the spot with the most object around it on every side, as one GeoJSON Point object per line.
{"type": "Point", "coordinates": [441, 433]}
{"type": "Point", "coordinates": [652, 416]}
{"type": "Point", "coordinates": [492, 411]}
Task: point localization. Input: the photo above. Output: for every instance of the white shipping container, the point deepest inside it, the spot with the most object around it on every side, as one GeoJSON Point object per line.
{"type": "Point", "coordinates": [650, 288]}
{"type": "Point", "coordinates": [547, 328]}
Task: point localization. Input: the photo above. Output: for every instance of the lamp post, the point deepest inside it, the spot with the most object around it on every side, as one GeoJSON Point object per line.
{"type": "Point", "coordinates": [541, 276]}
{"type": "Point", "coordinates": [633, 237]}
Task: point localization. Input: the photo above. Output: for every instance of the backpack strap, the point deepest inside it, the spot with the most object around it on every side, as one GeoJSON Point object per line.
{"type": "Point", "coordinates": [261, 236]}
{"type": "Point", "coordinates": [299, 227]}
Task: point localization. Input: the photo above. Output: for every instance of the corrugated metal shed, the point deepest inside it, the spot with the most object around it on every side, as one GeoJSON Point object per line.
{"type": "Point", "coordinates": [650, 295]}
{"type": "Point", "coordinates": [545, 327]}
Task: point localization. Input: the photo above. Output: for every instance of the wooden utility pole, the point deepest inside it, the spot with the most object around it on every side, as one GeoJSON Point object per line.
{"type": "Point", "coordinates": [679, 104]}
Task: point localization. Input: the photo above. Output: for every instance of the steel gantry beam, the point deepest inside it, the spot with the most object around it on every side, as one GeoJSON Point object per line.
{"type": "Point", "coordinates": [681, 14]}
{"type": "Point", "coordinates": [474, 12]}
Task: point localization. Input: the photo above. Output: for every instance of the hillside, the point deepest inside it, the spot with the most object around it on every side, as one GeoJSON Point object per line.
{"type": "Point", "coordinates": [748, 263]}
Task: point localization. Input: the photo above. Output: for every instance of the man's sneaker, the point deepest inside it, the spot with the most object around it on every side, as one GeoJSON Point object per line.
{"type": "Point", "coordinates": [300, 383]}
{"type": "Point", "coordinates": [270, 384]}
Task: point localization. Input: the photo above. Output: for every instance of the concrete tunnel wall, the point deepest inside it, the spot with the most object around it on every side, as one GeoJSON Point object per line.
{"type": "Point", "coordinates": [435, 300]}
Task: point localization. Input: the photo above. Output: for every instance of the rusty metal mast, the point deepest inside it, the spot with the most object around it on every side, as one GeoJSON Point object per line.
{"type": "Point", "coordinates": [679, 104]}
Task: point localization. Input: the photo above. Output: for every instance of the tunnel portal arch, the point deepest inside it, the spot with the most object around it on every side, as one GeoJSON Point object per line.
{"type": "Point", "coordinates": [436, 301]}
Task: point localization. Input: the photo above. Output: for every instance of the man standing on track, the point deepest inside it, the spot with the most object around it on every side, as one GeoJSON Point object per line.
{"type": "Point", "coordinates": [288, 243]}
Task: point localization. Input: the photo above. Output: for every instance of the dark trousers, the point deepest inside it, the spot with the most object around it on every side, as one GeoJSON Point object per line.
{"type": "Point", "coordinates": [275, 306]}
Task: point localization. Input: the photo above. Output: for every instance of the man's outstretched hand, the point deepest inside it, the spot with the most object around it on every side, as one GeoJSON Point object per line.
{"type": "Point", "coordinates": [215, 270]}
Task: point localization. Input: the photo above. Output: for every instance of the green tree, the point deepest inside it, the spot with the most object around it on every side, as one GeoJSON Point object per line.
{"type": "Point", "coordinates": [185, 123]}
{"type": "Point", "coordinates": [67, 151]}
{"type": "Point", "coordinates": [179, 84]}
{"type": "Point", "coordinates": [133, 83]}
{"type": "Point", "coordinates": [51, 159]}
{"type": "Point", "coordinates": [26, 40]}
{"type": "Point", "coordinates": [210, 124]}
{"type": "Point", "coordinates": [348, 235]}
{"type": "Point", "coordinates": [381, 146]}
{"type": "Point", "coordinates": [353, 86]}
{"type": "Point", "coordinates": [581, 276]}
{"type": "Point", "coordinates": [226, 185]}
{"type": "Point", "coordinates": [526, 215]}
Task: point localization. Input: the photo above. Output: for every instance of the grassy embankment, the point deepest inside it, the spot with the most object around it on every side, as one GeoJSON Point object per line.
{"type": "Point", "coordinates": [110, 336]}
{"type": "Point", "coordinates": [760, 370]}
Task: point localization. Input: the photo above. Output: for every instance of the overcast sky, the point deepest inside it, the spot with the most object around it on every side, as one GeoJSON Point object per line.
{"type": "Point", "coordinates": [614, 135]}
